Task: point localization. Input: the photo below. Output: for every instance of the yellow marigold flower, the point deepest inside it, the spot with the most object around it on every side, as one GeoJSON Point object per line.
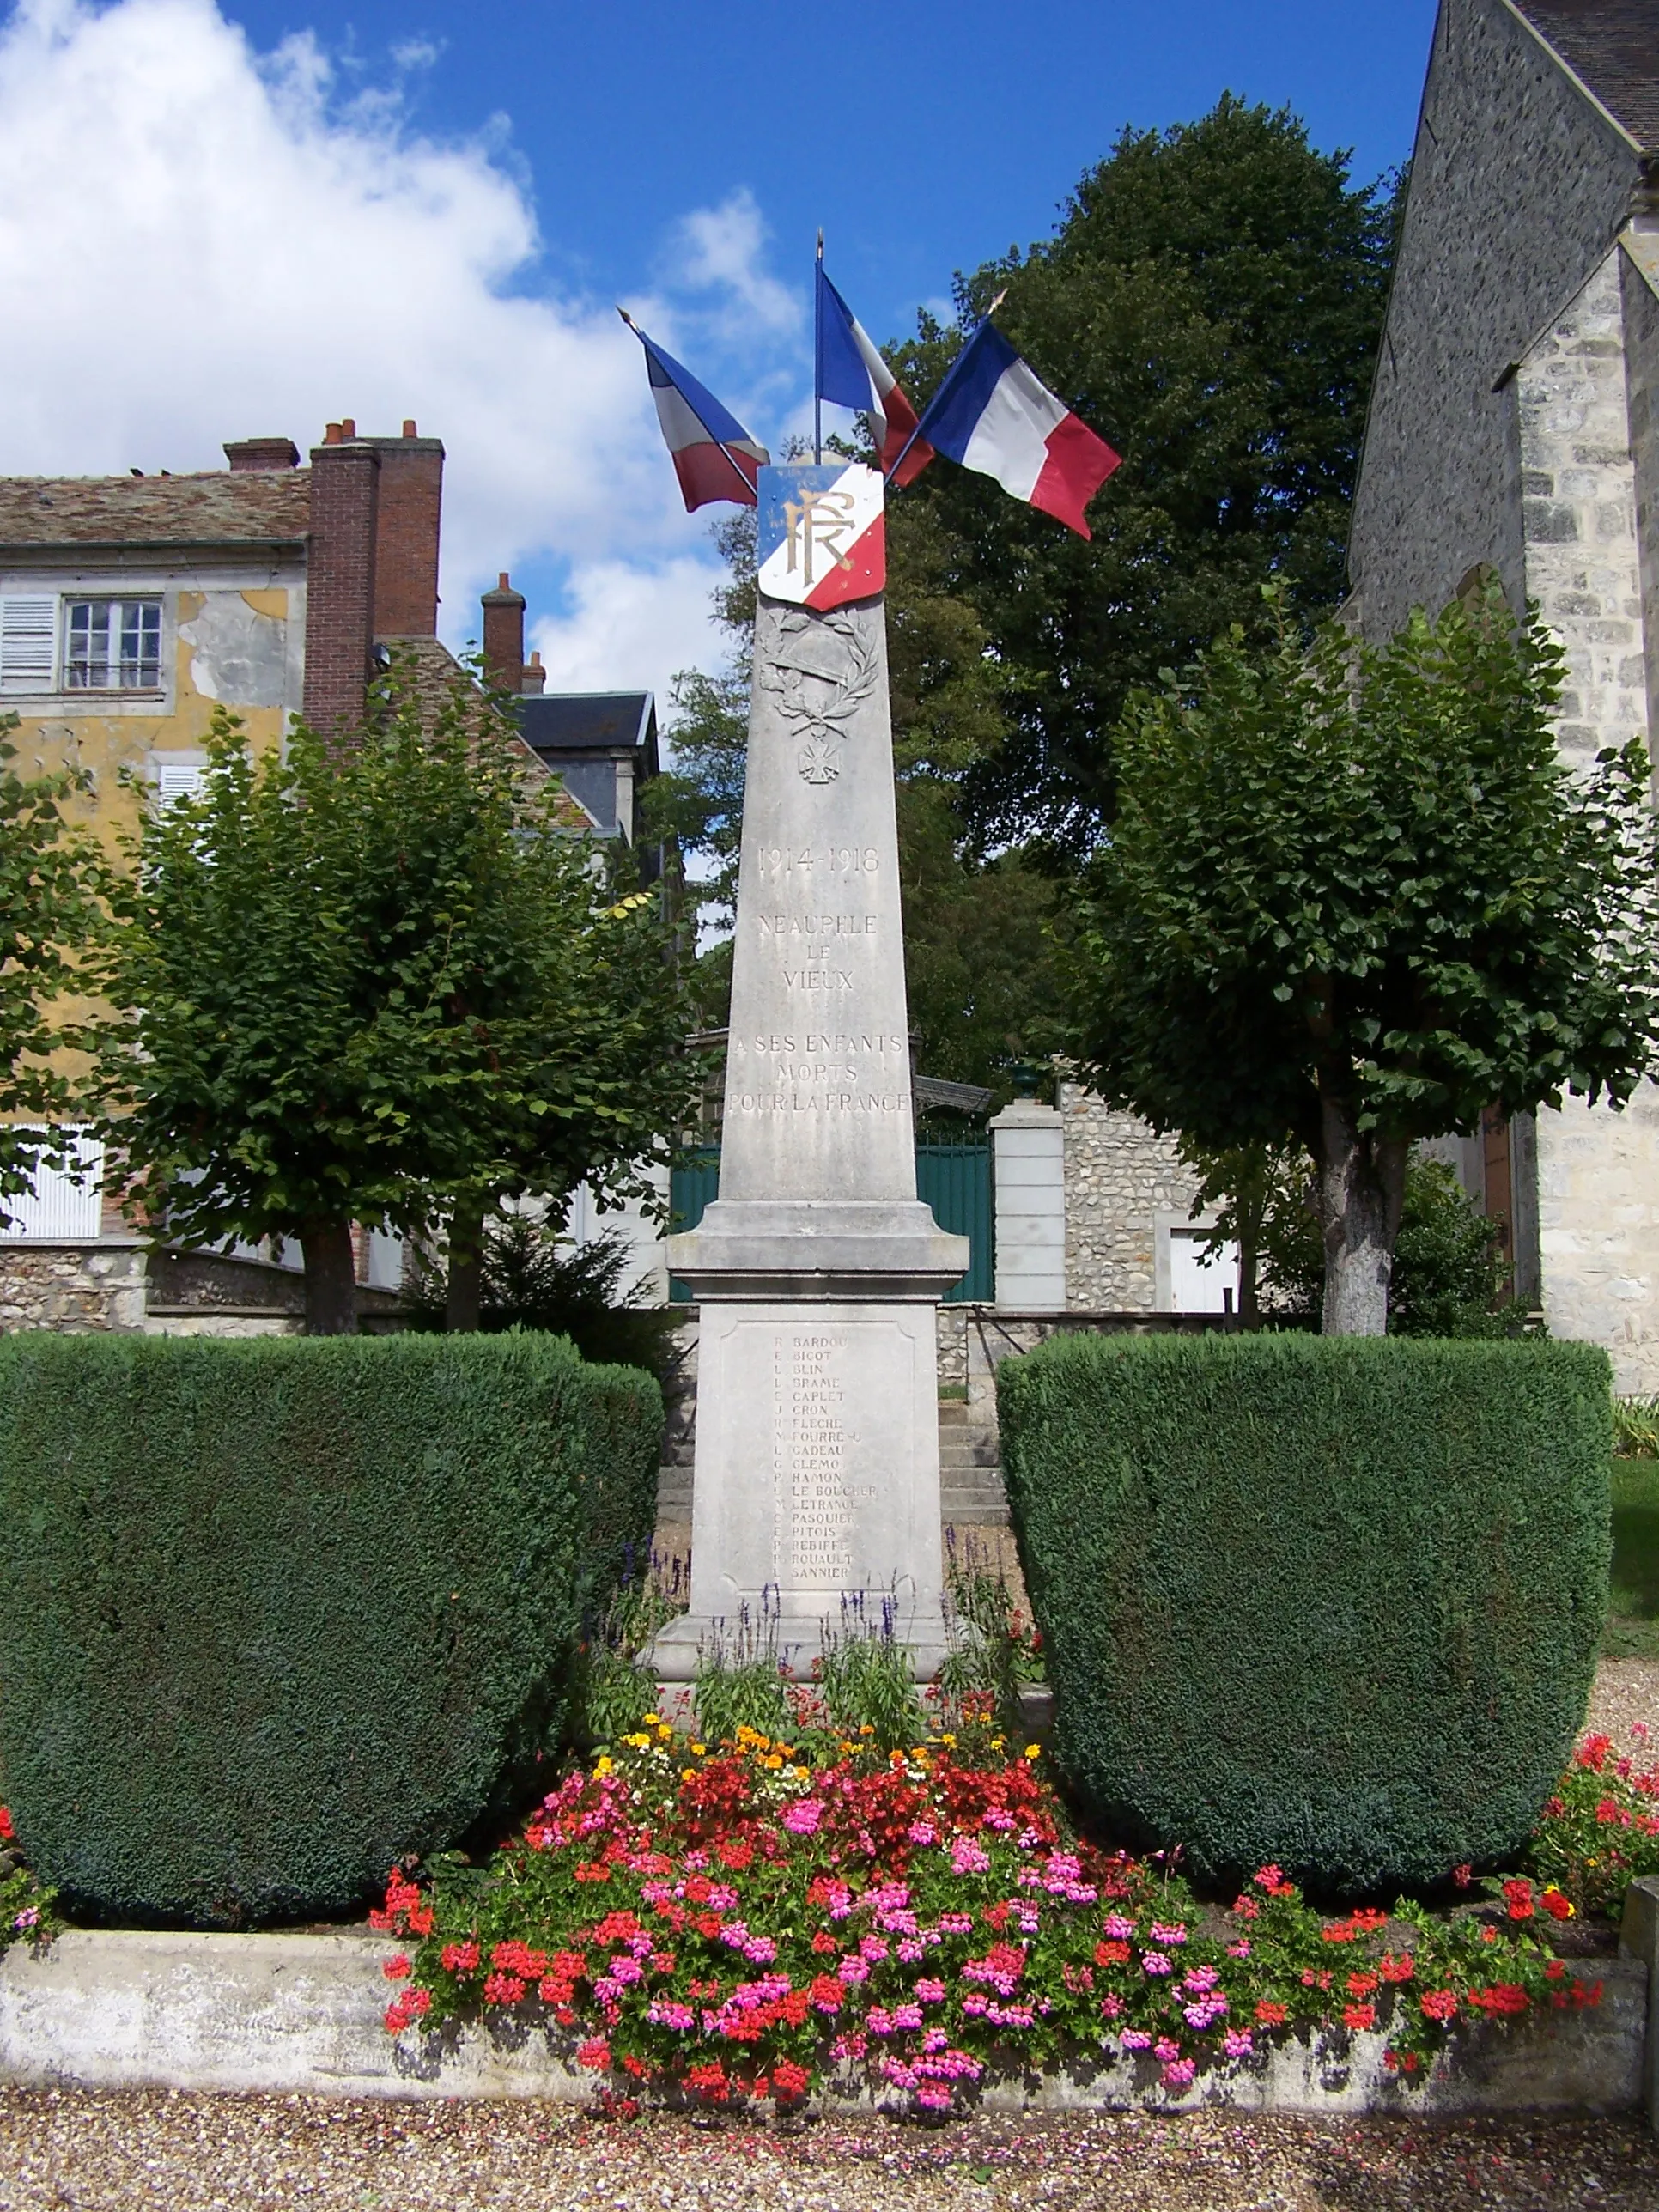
{"type": "Point", "coordinates": [774, 1762]}
{"type": "Point", "coordinates": [700, 1749]}
{"type": "Point", "coordinates": [602, 1766]}
{"type": "Point", "coordinates": [688, 1774]}
{"type": "Point", "coordinates": [800, 1773]}
{"type": "Point", "coordinates": [1033, 1751]}
{"type": "Point", "coordinates": [655, 1719]}
{"type": "Point", "coordinates": [867, 1730]}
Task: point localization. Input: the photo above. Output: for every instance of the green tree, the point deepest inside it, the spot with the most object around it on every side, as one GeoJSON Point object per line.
{"type": "Point", "coordinates": [1211, 303]}
{"type": "Point", "coordinates": [51, 879]}
{"type": "Point", "coordinates": [1449, 1277]}
{"type": "Point", "coordinates": [1353, 897]}
{"type": "Point", "coordinates": [380, 981]}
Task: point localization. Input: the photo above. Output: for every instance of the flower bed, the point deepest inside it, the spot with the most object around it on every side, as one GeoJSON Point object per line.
{"type": "Point", "coordinates": [27, 1913]}
{"type": "Point", "coordinates": [739, 1922]}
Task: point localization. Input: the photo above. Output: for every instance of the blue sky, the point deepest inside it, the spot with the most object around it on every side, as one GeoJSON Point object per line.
{"type": "Point", "coordinates": [415, 208]}
{"type": "Point", "coordinates": [921, 149]}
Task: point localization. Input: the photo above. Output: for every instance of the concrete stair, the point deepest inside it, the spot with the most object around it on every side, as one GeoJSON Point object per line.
{"type": "Point", "coordinates": [970, 1470]}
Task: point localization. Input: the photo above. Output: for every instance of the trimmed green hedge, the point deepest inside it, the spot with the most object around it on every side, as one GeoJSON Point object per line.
{"type": "Point", "coordinates": [274, 1613]}
{"type": "Point", "coordinates": [1331, 1602]}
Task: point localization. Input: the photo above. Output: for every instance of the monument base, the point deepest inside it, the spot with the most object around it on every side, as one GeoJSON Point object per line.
{"type": "Point", "coordinates": [815, 1498]}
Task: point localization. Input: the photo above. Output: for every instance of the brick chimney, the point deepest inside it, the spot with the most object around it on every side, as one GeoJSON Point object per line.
{"type": "Point", "coordinates": [406, 535]}
{"type": "Point", "coordinates": [535, 676]}
{"type": "Point", "coordinates": [503, 637]}
{"type": "Point", "coordinates": [247, 453]}
{"type": "Point", "coordinates": [340, 600]}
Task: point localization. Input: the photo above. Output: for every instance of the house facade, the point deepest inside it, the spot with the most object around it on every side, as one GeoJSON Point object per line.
{"type": "Point", "coordinates": [133, 609]}
{"type": "Point", "coordinates": [1514, 429]}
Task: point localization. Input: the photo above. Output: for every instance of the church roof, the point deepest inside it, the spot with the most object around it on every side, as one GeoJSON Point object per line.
{"type": "Point", "coordinates": [1611, 46]}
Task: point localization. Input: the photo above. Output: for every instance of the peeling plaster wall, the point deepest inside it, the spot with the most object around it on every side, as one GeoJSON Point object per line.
{"type": "Point", "coordinates": [238, 647]}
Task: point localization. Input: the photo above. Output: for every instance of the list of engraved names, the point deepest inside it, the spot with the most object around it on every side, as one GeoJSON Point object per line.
{"type": "Point", "coordinates": [815, 1498]}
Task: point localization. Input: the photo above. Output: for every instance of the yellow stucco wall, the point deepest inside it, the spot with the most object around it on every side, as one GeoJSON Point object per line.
{"type": "Point", "coordinates": [120, 744]}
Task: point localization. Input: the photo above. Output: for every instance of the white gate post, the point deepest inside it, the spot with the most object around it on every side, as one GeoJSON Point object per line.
{"type": "Point", "coordinates": [1029, 1171]}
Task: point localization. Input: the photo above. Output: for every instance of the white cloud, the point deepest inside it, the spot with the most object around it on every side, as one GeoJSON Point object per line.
{"type": "Point", "coordinates": [723, 249]}
{"type": "Point", "coordinates": [653, 622]}
{"type": "Point", "coordinates": [199, 242]}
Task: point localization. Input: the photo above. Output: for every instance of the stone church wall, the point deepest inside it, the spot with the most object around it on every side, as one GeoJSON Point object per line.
{"type": "Point", "coordinates": [1518, 187]}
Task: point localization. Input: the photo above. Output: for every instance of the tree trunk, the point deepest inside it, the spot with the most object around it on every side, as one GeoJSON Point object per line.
{"type": "Point", "coordinates": [1361, 1182]}
{"type": "Point", "coordinates": [464, 1291]}
{"type": "Point", "coordinates": [1249, 1232]}
{"type": "Point", "coordinates": [331, 1280]}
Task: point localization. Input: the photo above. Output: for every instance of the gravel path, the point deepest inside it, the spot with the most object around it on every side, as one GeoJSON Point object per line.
{"type": "Point", "coordinates": [150, 2152]}
{"type": "Point", "coordinates": [1626, 1690]}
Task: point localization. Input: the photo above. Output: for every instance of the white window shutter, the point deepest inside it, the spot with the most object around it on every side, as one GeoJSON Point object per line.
{"type": "Point", "coordinates": [173, 783]}
{"type": "Point", "coordinates": [29, 639]}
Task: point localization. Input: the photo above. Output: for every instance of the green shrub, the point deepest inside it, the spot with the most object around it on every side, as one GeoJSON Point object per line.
{"type": "Point", "coordinates": [274, 1614]}
{"type": "Point", "coordinates": [1332, 1602]}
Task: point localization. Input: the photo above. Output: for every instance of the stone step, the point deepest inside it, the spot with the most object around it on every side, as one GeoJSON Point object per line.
{"type": "Point", "coordinates": [969, 1451]}
{"type": "Point", "coordinates": [953, 1413]}
{"type": "Point", "coordinates": [975, 1509]}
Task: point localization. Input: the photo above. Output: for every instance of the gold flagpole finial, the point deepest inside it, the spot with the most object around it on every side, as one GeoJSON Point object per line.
{"type": "Point", "coordinates": [629, 319]}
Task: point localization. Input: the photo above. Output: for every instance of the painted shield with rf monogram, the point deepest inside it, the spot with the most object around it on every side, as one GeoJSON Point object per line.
{"type": "Point", "coordinates": [821, 536]}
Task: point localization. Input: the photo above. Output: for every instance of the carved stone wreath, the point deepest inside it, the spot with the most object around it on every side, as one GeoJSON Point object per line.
{"type": "Point", "coordinates": [849, 677]}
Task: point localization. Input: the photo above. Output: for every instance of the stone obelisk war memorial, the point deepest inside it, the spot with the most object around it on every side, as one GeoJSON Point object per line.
{"type": "Point", "coordinates": [817, 1270]}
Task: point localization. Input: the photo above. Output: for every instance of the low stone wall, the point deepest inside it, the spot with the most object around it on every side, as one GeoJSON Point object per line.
{"type": "Point", "coordinates": [77, 1287]}
{"type": "Point", "coordinates": [120, 1284]}
{"type": "Point", "coordinates": [301, 2015]}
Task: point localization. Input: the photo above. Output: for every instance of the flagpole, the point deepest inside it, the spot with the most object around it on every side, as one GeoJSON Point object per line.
{"type": "Point", "coordinates": [752, 490]}
{"type": "Point", "coordinates": [817, 356]}
{"type": "Point", "coordinates": [945, 386]}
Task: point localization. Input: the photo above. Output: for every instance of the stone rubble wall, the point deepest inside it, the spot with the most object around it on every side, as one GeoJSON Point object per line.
{"type": "Point", "coordinates": [1120, 1178]}
{"type": "Point", "coordinates": [77, 1288]}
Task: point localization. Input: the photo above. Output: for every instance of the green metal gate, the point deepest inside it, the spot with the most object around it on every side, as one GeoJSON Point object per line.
{"type": "Point", "coordinates": [954, 1178]}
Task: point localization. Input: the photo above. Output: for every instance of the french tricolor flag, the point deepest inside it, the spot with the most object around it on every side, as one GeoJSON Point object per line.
{"type": "Point", "coordinates": [850, 373]}
{"type": "Point", "coordinates": [714, 457]}
{"type": "Point", "coordinates": [991, 414]}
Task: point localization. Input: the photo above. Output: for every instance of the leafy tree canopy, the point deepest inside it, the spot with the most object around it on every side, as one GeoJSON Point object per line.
{"type": "Point", "coordinates": [1351, 897]}
{"type": "Point", "coordinates": [376, 981]}
{"type": "Point", "coordinates": [1211, 303]}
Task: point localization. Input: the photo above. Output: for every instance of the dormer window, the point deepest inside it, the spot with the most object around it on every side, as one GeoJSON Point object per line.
{"type": "Point", "coordinates": [113, 645]}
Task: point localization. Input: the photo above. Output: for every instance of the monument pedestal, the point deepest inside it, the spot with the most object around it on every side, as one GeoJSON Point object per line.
{"type": "Point", "coordinates": [817, 1270]}
{"type": "Point", "coordinates": [817, 1478]}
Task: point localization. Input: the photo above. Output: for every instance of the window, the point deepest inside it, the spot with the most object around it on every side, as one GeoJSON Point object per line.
{"type": "Point", "coordinates": [29, 637]}
{"type": "Point", "coordinates": [65, 1205]}
{"type": "Point", "coordinates": [113, 645]}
